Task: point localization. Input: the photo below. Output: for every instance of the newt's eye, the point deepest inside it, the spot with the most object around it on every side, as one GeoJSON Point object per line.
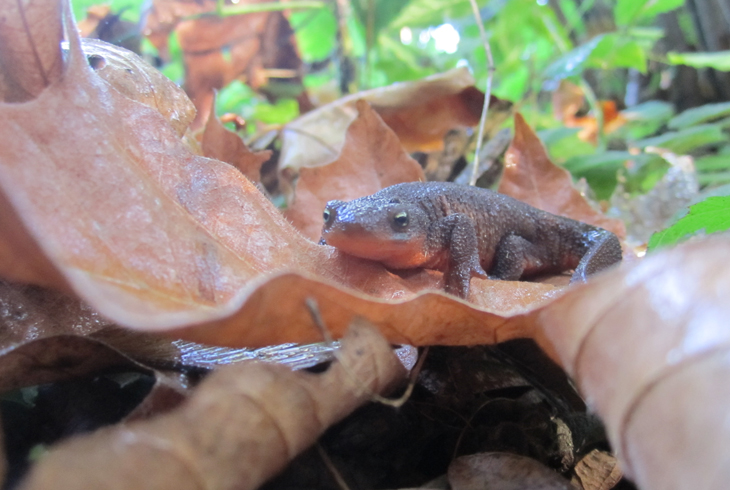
{"type": "Point", "coordinates": [326, 215]}
{"type": "Point", "coordinates": [401, 219]}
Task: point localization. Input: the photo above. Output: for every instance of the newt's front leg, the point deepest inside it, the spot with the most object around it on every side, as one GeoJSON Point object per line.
{"type": "Point", "coordinates": [457, 234]}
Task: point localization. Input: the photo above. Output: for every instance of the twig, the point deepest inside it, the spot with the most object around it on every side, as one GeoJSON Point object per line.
{"type": "Point", "coordinates": [223, 10]}
{"type": "Point", "coordinates": [487, 92]}
{"type": "Point", "coordinates": [311, 304]}
{"type": "Point", "coordinates": [333, 469]}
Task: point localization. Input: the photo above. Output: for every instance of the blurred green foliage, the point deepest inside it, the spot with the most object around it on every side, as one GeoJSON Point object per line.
{"type": "Point", "coordinates": [709, 216]}
{"type": "Point", "coordinates": [596, 44]}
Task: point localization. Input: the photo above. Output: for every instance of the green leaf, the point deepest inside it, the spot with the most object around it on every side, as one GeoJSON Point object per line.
{"type": "Point", "coordinates": [616, 51]}
{"type": "Point", "coordinates": [627, 12]}
{"type": "Point", "coordinates": [650, 111]}
{"type": "Point", "coordinates": [719, 60]}
{"type": "Point", "coordinates": [600, 169]}
{"type": "Point", "coordinates": [709, 216]}
{"type": "Point", "coordinates": [283, 111]}
{"type": "Point", "coordinates": [375, 15]}
{"type": "Point", "coordinates": [712, 163]}
{"type": "Point", "coordinates": [686, 140]}
{"type": "Point", "coordinates": [574, 62]}
{"type": "Point", "coordinates": [426, 13]}
{"type": "Point", "coordinates": [698, 115]}
{"type": "Point", "coordinates": [606, 51]}
{"type": "Point", "coordinates": [315, 32]}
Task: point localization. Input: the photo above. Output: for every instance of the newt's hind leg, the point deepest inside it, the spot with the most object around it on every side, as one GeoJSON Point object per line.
{"type": "Point", "coordinates": [515, 257]}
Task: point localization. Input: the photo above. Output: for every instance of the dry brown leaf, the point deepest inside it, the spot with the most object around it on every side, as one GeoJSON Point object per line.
{"type": "Point", "coordinates": [168, 392]}
{"type": "Point", "coordinates": [649, 348]}
{"type": "Point", "coordinates": [217, 50]}
{"type": "Point", "coordinates": [28, 63]}
{"type": "Point", "coordinates": [420, 112]}
{"type": "Point", "coordinates": [598, 470]}
{"type": "Point", "coordinates": [569, 98]}
{"type": "Point", "coordinates": [56, 358]}
{"type": "Point", "coordinates": [504, 471]}
{"type": "Point", "coordinates": [530, 176]}
{"type": "Point", "coordinates": [241, 426]}
{"type": "Point", "coordinates": [224, 145]}
{"type": "Point", "coordinates": [158, 239]}
{"type": "Point", "coordinates": [371, 158]}
{"type": "Point", "coordinates": [139, 81]}
{"type": "Point", "coordinates": [29, 313]}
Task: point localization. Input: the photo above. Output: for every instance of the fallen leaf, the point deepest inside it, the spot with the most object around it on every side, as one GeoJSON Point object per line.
{"type": "Point", "coordinates": [256, 413]}
{"type": "Point", "coordinates": [168, 392]}
{"type": "Point", "coordinates": [371, 158]}
{"type": "Point", "coordinates": [139, 81]}
{"type": "Point", "coordinates": [504, 471]}
{"type": "Point", "coordinates": [598, 470]}
{"type": "Point", "coordinates": [648, 347]}
{"type": "Point", "coordinates": [224, 145]}
{"type": "Point", "coordinates": [30, 313]}
{"type": "Point", "coordinates": [56, 358]}
{"type": "Point", "coordinates": [219, 49]}
{"type": "Point", "coordinates": [420, 113]}
{"type": "Point", "coordinates": [158, 239]}
{"type": "Point", "coordinates": [28, 62]}
{"type": "Point", "coordinates": [530, 176]}
{"type": "Point", "coordinates": [569, 98]}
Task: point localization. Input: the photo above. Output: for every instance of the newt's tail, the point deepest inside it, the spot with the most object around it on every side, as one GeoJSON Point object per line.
{"type": "Point", "coordinates": [603, 252]}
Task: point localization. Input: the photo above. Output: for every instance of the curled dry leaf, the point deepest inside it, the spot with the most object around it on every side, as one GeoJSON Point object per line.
{"type": "Point", "coordinates": [29, 314]}
{"type": "Point", "coordinates": [530, 176]}
{"type": "Point", "coordinates": [219, 49]}
{"type": "Point", "coordinates": [504, 471]}
{"type": "Point", "coordinates": [650, 349]}
{"type": "Point", "coordinates": [371, 158]}
{"type": "Point", "coordinates": [116, 208]}
{"type": "Point", "coordinates": [28, 61]}
{"type": "Point", "coordinates": [420, 113]}
{"type": "Point", "coordinates": [256, 413]}
{"type": "Point", "coordinates": [224, 145]}
{"type": "Point", "coordinates": [137, 80]}
{"type": "Point", "coordinates": [598, 470]}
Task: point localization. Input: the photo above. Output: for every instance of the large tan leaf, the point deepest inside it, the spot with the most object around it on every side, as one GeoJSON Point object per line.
{"type": "Point", "coordinates": [530, 176]}
{"type": "Point", "coordinates": [420, 113]}
{"type": "Point", "coordinates": [226, 146]}
{"type": "Point", "coordinates": [650, 349]}
{"type": "Point", "coordinates": [29, 34]}
{"type": "Point", "coordinates": [157, 238]}
{"type": "Point", "coordinates": [241, 426]}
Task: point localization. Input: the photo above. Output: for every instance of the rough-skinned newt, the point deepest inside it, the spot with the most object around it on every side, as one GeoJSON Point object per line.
{"type": "Point", "coordinates": [465, 231]}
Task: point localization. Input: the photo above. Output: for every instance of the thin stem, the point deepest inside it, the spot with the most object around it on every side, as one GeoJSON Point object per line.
{"type": "Point", "coordinates": [311, 305]}
{"type": "Point", "coordinates": [223, 10]}
{"type": "Point", "coordinates": [597, 110]}
{"type": "Point", "coordinates": [487, 91]}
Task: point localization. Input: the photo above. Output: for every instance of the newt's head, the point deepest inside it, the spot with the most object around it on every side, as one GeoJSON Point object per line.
{"type": "Point", "coordinates": [377, 227]}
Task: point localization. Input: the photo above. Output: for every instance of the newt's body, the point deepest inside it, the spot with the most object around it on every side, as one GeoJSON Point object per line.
{"type": "Point", "coordinates": [465, 231]}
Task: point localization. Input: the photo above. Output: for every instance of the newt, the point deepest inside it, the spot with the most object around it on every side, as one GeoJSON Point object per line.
{"type": "Point", "coordinates": [465, 231]}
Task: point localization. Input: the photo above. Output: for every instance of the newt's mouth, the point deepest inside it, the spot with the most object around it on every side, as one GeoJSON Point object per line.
{"type": "Point", "coordinates": [398, 252]}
